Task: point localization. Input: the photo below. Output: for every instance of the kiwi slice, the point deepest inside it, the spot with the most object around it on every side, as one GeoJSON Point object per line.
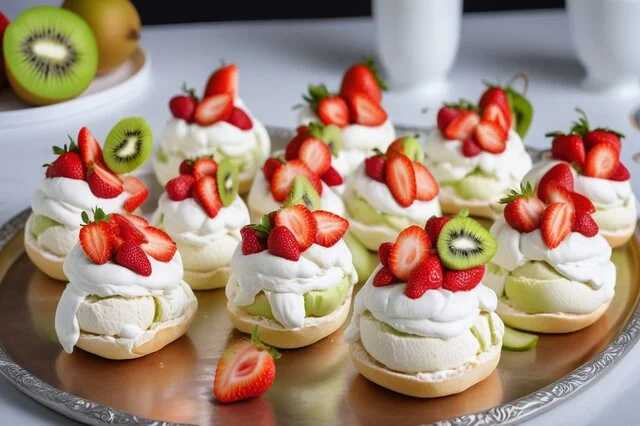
{"type": "Point", "coordinates": [522, 109]}
{"type": "Point", "coordinates": [409, 146]}
{"type": "Point", "coordinates": [228, 181]}
{"type": "Point", "coordinates": [464, 244]}
{"type": "Point", "coordinates": [303, 192]}
{"type": "Point", "coordinates": [515, 340]}
{"type": "Point", "coordinates": [50, 54]}
{"type": "Point", "coordinates": [39, 224]}
{"type": "Point", "coordinates": [128, 145]}
{"type": "Point", "coordinates": [329, 134]}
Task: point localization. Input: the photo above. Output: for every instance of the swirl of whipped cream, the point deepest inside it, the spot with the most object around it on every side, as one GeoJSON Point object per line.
{"type": "Point", "coordinates": [578, 258]}
{"type": "Point", "coordinates": [188, 223]}
{"type": "Point", "coordinates": [284, 282]}
{"type": "Point", "coordinates": [437, 313]}
{"type": "Point", "coordinates": [63, 200]}
{"type": "Point", "coordinates": [379, 196]}
{"type": "Point", "coordinates": [87, 278]}
{"type": "Point", "coordinates": [261, 200]}
{"type": "Point", "coordinates": [446, 162]}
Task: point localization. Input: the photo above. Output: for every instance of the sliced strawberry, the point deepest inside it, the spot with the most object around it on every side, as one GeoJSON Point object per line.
{"type": "Point", "coordinates": [331, 227]}
{"type": "Point", "coordinates": [332, 177]}
{"type": "Point", "coordinates": [585, 225]}
{"type": "Point", "coordinates": [496, 95]}
{"type": "Point", "coordinates": [427, 275]}
{"type": "Point", "coordinates": [383, 252]}
{"type": "Point", "coordinates": [374, 167]}
{"type": "Point", "coordinates": [401, 180]}
{"type": "Point", "coordinates": [125, 229]}
{"type": "Point", "coordinates": [301, 222]}
{"type": "Point", "coordinates": [205, 191]}
{"type": "Point", "coordinates": [333, 110]}
{"type": "Point", "coordinates": [68, 165]}
{"type": "Point", "coordinates": [561, 174]}
{"type": "Point", "coordinates": [365, 111]}
{"type": "Point", "coordinates": [131, 256]}
{"type": "Point", "coordinates": [446, 115]}
{"type": "Point", "coordinates": [557, 223]}
{"type": "Point", "coordinates": [598, 136]}
{"type": "Point", "coordinates": [103, 183]}
{"type": "Point", "coordinates": [186, 167]}
{"type": "Point", "coordinates": [569, 148]}
{"type": "Point", "coordinates": [252, 240]}
{"type": "Point", "coordinates": [282, 243]}
{"type": "Point", "coordinates": [212, 109]}
{"type": "Point", "coordinates": [89, 148]}
{"type": "Point", "coordinates": [462, 126]}
{"type": "Point", "coordinates": [362, 78]}
{"type": "Point", "coordinates": [470, 147]}
{"type": "Point", "coordinates": [384, 277]}
{"type": "Point", "coordinates": [602, 161]}
{"type": "Point", "coordinates": [582, 203]}
{"type": "Point", "coordinates": [183, 107]}
{"type": "Point", "coordinates": [426, 185]}
{"type": "Point", "coordinates": [621, 174]}
{"type": "Point", "coordinates": [464, 280]}
{"type": "Point", "coordinates": [223, 80]}
{"type": "Point", "coordinates": [411, 248]}
{"type": "Point", "coordinates": [204, 166]}
{"type": "Point", "coordinates": [240, 119]}
{"type": "Point", "coordinates": [524, 211]}
{"type": "Point", "coordinates": [554, 193]}
{"type": "Point", "coordinates": [433, 227]}
{"type": "Point", "coordinates": [97, 241]}
{"type": "Point", "coordinates": [316, 155]}
{"type": "Point", "coordinates": [283, 178]}
{"type": "Point", "coordinates": [137, 189]}
{"type": "Point", "coordinates": [494, 113]}
{"type": "Point", "coordinates": [270, 166]}
{"type": "Point", "coordinates": [139, 221]}
{"type": "Point", "coordinates": [491, 137]}
{"type": "Point", "coordinates": [159, 244]}
{"type": "Point", "coordinates": [179, 188]}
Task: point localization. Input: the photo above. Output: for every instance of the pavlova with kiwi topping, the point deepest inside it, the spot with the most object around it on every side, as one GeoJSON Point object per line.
{"type": "Point", "coordinates": [81, 177]}
{"type": "Point", "coordinates": [292, 276]}
{"type": "Point", "coordinates": [218, 124]}
{"type": "Point", "coordinates": [125, 297]}
{"type": "Point", "coordinates": [202, 211]}
{"type": "Point", "coordinates": [424, 324]}
{"type": "Point", "coordinates": [476, 153]}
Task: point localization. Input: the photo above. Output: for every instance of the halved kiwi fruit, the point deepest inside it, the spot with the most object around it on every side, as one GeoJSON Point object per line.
{"type": "Point", "coordinates": [329, 134]}
{"type": "Point", "coordinates": [128, 145]}
{"type": "Point", "coordinates": [303, 192]}
{"type": "Point", "coordinates": [464, 243]}
{"type": "Point", "coordinates": [228, 181]}
{"type": "Point", "coordinates": [50, 54]}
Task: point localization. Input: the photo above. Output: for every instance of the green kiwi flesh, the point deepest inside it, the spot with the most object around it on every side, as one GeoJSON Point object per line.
{"type": "Point", "coordinates": [128, 145]}
{"type": "Point", "coordinates": [228, 181]}
{"type": "Point", "coordinates": [464, 243]}
{"type": "Point", "coordinates": [303, 192]}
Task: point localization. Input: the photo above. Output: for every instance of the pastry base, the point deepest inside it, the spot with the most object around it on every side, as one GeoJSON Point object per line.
{"type": "Point", "coordinates": [410, 384]}
{"type": "Point", "coordinates": [618, 238]}
{"type": "Point", "coordinates": [547, 323]}
{"type": "Point", "coordinates": [272, 333]}
{"type": "Point", "coordinates": [207, 280]}
{"type": "Point", "coordinates": [452, 204]}
{"type": "Point", "coordinates": [47, 262]}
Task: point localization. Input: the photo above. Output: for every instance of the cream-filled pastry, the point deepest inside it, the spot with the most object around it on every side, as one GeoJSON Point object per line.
{"type": "Point", "coordinates": [218, 125]}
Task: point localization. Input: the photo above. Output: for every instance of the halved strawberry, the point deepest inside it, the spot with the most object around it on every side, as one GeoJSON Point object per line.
{"type": "Point", "coordinates": [240, 119]}
{"type": "Point", "coordinates": [582, 203]}
{"type": "Point", "coordinates": [315, 154]}
{"type": "Point", "coordinates": [462, 126]}
{"type": "Point", "coordinates": [470, 147]}
{"type": "Point", "coordinates": [446, 115]}
{"type": "Point", "coordinates": [374, 167]}
{"type": "Point", "coordinates": [383, 252]}
{"type": "Point", "coordinates": [427, 275]}
{"type": "Point", "coordinates": [139, 221]}
{"type": "Point", "coordinates": [204, 166]}
{"type": "Point", "coordinates": [569, 148]}
{"type": "Point", "coordinates": [557, 222]}
{"type": "Point", "coordinates": [554, 193]}
{"type": "Point", "coordinates": [138, 191]}
{"type": "Point", "coordinates": [433, 227]}
{"type": "Point", "coordinates": [291, 151]}
{"type": "Point", "coordinates": [491, 137]}
{"type": "Point", "coordinates": [183, 107]}
{"type": "Point", "coordinates": [598, 136]}
{"type": "Point", "coordinates": [301, 222]}
{"type": "Point", "coordinates": [68, 165]}
{"type": "Point", "coordinates": [523, 211]}
{"type": "Point", "coordinates": [205, 191]}
{"type": "Point", "coordinates": [331, 227]}
{"type": "Point", "coordinates": [89, 148]}
{"type": "Point", "coordinates": [332, 177]}
{"type": "Point", "coordinates": [585, 225]}
{"type": "Point", "coordinates": [282, 243]}
{"type": "Point", "coordinates": [464, 280]}
{"type": "Point", "coordinates": [159, 244]}
{"type": "Point", "coordinates": [270, 166]}
{"type": "Point", "coordinates": [410, 249]}
{"type": "Point", "coordinates": [362, 78]}
{"type": "Point", "coordinates": [426, 185]}
{"type": "Point", "coordinates": [602, 161]}
{"type": "Point", "coordinates": [98, 241]}
{"type": "Point", "coordinates": [365, 111]}
{"type": "Point", "coordinates": [401, 180]}
{"type": "Point", "coordinates": [384, 277]}
{"type": "Point", "coordinates": [212, 109]}
{"type": "Point", "coordinates": [333, 110]}
{"type": "Point", "coordinates": [621, 174]}
{"type": "Point", "coordinates": [496, 95]}
{"type": "Point", "coordinates": [561, 174]}
{"type": "Point", "coordinates": [223, 80]}
{"type": "Point", "coordinates": [495, 113]}
{"type": "Point", "coordinates": [125, 229]}
{"type": "Point", "coordinates": [131, 256]}
{"type": "Point", "coordinates": [179, 188]}
{"type": "Point", "coordinates": [284, 176]}
{"type": "Point", "coordinates": [103, 183]}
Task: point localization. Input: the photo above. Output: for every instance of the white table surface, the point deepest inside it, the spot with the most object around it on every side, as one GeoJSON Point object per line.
{"type": "Point", "coordinates": [278, 59]}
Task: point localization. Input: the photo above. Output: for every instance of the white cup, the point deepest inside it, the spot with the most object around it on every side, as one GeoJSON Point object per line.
{"type": "Point", "coordinates": [606, 36]}
{"type": "Point", "coordinates": [417, 40]}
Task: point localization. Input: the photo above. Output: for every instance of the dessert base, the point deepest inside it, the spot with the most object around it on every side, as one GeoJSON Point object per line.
{"type": "Point", "coordinates": [207, 280]}
{"type": "Point", "coordinates": [619, 237]}
{"type": "Point", "coordinates": [47, 262]}
{"type": "Point", "coordinates": [452, 204]}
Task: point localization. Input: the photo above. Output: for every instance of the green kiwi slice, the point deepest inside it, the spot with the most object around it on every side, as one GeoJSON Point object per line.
{"type": "Point", "coordinates": [128, 145]}
{"type": "Point", "coordinates": [329, 134]}
{"type": "Point", "coordinates": [303, 192]}
{"type": "Point", "coordinates": [228, 181]}
{"type": "Point", "coordinates": [39, 224]}
{"type": "Point", "coordinates": [464, 243]}
{"type": "Point", "coordinates": [522, 109]}
{"type": "Point", "coordinates": [50, 54]}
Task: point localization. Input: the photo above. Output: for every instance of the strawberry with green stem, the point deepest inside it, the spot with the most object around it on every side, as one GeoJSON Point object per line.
{"type": "Point", "coordinates": [69, 164]}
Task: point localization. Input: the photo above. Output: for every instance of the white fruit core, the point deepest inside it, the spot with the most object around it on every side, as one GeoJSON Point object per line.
{"type": "Point", "coordinates": [464, 244]}
{"type": "Point", "coordinates": [50, 50]}
{"type": "Point", "coordinates": [128, 148]}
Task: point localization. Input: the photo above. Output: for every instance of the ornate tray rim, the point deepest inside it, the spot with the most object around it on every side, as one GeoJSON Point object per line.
{"type": "Point", "coordinates": [509, 413]}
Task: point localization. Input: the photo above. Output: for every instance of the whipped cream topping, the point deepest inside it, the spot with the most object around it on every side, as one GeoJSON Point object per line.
{"type": "Point", "coordinates": [379, 196]}
{"type": "Point", "coordinates": [437, 313]}
{"type": "Point", "coordinates": [260, 198]}
{"type": "Point", "coordinates": [87, 278]}
{"type": "Point", "coordinates": [284, 282]}
{"type": "Point", "coordinates": [579, 258]}
{"type": "Point", "coordinates": [446, 162]}
{"type": "Point", "coordinates": [187, 222]}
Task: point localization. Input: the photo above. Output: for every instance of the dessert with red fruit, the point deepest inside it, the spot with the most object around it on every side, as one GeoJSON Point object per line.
{"type": "Point", "coordinates": [424, 323]}
{"type": "Point", "coordinates": [214, 123]}
{"type": "Point", "coordinates": [78, 179]}
{"type": "Point", "coordinates": [203, 212]}
{"type": "Point", "coordinates": [476, 152]}
{"type": "Point", "coordinates": [590, 163]}
{"type": "Point", "coordinates": [292, 277]}
{"type": "Point", "coordinates": [552, 271]}
{"type": "Point", "coordinates": [355, 113]}
{"type": "Point", "coordinates": [126, 297]}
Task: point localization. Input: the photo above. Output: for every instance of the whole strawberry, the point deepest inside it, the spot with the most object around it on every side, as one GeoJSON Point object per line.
{"type": "Point", "coordinates": [363, 78]}
{"type": "Point", "coordinates": [374, 167]}
{"type": "Point", "coordinates": [253, 241]}
{"type": "Point", "coordinates": [183, 107]}
{"type": "Point", "coordinates": [425, 276]}
{"type": "Point", "coordinates": [131, 256]}
{"type": "Point", "coordinates": [283, 243]}
{"type": "Point", "coordinates": [69, 164]}
{"type": "Point", "coordinates": [464, 280]}
{"type": "Point", "coordinates": [433, 227]}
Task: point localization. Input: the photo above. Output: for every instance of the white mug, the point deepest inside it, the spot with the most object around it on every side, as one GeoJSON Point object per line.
{"type": "Point", "coordinates": [417, 40]}
{"type": "Point", "coordinates": [606, 36]}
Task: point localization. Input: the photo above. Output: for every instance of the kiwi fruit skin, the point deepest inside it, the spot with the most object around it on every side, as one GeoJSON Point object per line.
{"type": "Point", "coordinates": [128, 145]}
{"type": "Point", "coordinates": [302, 192]}
{"type": "Point", "coordinates": [49, 85]}
{"type": "Point", "coordinates": [116, 26]}
{"type": "Point", "coordinates": [228, 181]}
{"type": "Point", "coordinates": [460, 232]}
